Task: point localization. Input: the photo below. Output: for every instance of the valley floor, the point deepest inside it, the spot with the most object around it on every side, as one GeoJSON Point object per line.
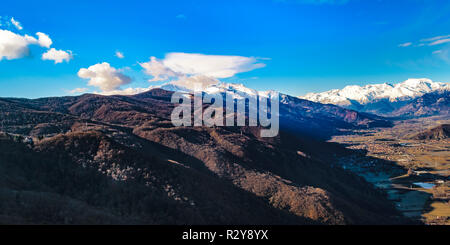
{"type": "Point", "coordinates": [414, 173]}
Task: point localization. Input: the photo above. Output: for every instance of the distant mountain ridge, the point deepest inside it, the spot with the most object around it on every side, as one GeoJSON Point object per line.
{"type": "Point", "coordinates": [220, 87]}
{"type": "Point", "coordinates": [435, 103]}
{"type": "Point", "coordinates": [382, 99]}
{"type": "Point", "coordinates": [409, 89]}
{"type": "Point", "coordinates": [437, 133]}
{"type": "Point", "coordinates": [296, 114]}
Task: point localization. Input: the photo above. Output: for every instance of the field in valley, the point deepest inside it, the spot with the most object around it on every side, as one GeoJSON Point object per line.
{"type": "Point", "coordinates": [415, 173]}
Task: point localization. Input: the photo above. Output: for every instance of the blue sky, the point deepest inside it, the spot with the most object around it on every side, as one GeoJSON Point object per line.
{"type": "Point", "coordinates": [294, 46]}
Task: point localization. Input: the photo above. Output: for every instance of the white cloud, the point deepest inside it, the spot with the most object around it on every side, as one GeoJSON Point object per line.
{"type": "Point", "coordinates": [190, 82]}
{"type": "Point", "coordinates": [78, 90]}
{"type": "Point", "coordinates": [183, 69]}
{"type": "Point", "coordinates": [434, 38]}
{"type": "Point", "coordinates": [16, 23]}
{"type": "Point", "coordinates": [57, 55]}
{"type": "Point", "coordinates": [158, 70]}
{"type": "Point", "coordinates": [104, 76]}
{"type": "Point", "coordinates": [126, 91]}
{"type": "Point", "coordinates": [187, 69]}
{"type": "Point", "coordinates": [185, 82]}
{"type": "Point", "coordinates": [216, 66]}
{"type": "Point", "coordinates": [441, 41]}
{"type": "Point", "coordinates": [433, 41]}
{"type": "Point", "coordinates": [403, 45]}
{"type": "Point", "coordinates": [443, 54]}
{"type": "Point", "coordinates": [184, 64]}
{"type": "Point", "coordinates": [44, 40]}
{"type": "Point", "coordinates": [14, 46]}
{"type": "Point", "coordinates": [119, 55]}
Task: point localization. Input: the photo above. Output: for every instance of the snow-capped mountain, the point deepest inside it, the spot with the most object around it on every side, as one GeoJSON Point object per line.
{"type": "Point", "coordinates": [381, 99]}
{"type": "Point", "coordinates": [239, 90]}
{"type": "Point", "coordinates": [409, 89]}
{"type": "Point", "coordinates": [386, 99]}
{"type": "Point", "coordinates": [295, 114]}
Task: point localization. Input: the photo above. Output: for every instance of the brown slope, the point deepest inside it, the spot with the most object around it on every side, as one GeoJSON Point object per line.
{"type": "Point", "coordinates": [298, 115]}
{"type": "Point", "coordinates": [122, 185]}
{"type": "Point", "coordinates": [437, 133]}
{"type": "Point", "coordinates": [271, 170]}
{"type": "Point", "coordinates": [305, 187]}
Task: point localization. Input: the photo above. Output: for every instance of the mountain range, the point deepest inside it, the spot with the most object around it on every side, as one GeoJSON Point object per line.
{"type": "Point", "coordinates": [413, 97]}
{"type": "Point", "coordinates": [119, 159]}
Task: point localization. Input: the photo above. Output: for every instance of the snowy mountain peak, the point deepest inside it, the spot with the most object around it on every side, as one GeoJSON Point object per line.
{"type": "Point", "coordinates": [220, 87]}
{"type": "Point", "coordinates": [415, 82]}
{"type": "Point", "coordinates": [409, 89]}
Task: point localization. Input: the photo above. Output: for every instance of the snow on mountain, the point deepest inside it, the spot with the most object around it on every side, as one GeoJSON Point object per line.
{"type": "Point", "coordinates": [409, 89]}
{"type": "Point", "coordinates": [295, 114]}
{"type": "Point", "coordinates": [380, 99]}
{"type": "Point", "coordinates": [239, 90]}
{"type": "Point", "coordinates": [173, 87]}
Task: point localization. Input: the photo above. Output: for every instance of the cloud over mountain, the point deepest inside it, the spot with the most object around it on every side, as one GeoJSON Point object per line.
{"type": "Point", "coordinates": [190, 83]}
{"type": "Point", "coordinates": [187, 64]}
{"type": "Point", "coordinates": [158, 70]}
{"type": "Point", "coordinates": [78, 90]}
{"type": "Point", "coordinates": [216, 66]}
